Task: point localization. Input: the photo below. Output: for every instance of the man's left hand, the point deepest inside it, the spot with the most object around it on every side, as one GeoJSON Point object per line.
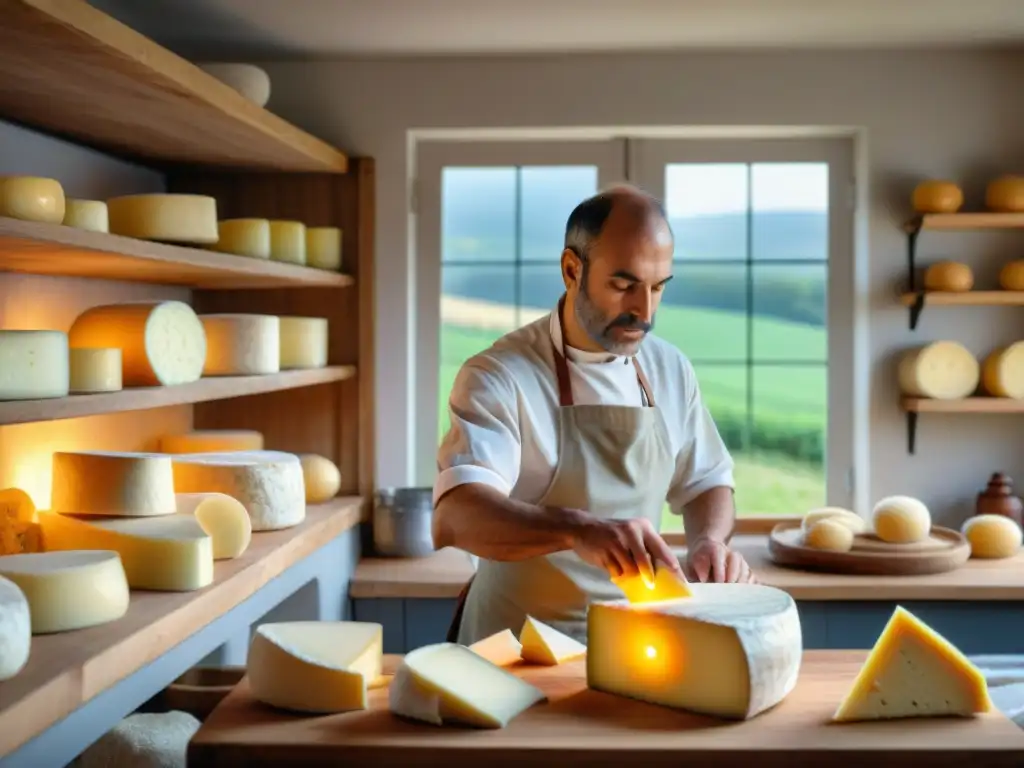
{"type": "Point", "coordinates": [712, 560]}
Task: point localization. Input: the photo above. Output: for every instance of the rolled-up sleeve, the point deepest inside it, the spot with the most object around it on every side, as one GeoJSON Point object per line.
{"type": "Point", "coordinates": [483, 444]}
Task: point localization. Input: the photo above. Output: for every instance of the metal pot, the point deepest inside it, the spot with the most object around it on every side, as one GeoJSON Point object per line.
{"type": "Point", "coordinates": [401, 522]}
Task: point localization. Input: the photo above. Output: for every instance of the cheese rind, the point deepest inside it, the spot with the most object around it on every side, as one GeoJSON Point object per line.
{"type": "Point", "coordinates": [543, 644]}
{"type": "Point", "coordinates": [15, 629]}
{"type": "Point", "coordinates": [95, 370]}
{"type": "Point", "coordinates": [323, 247]}
{"type": "Point", "coordinates": [224, 520]}
{"type": "Point", "coordinates": [32, 198]}
{"type": "Point", "coordinates": [942, 370]}
{"type": "Point", "coordinates": [19, 525]}
{"type": "Point", "coordinates": [213, 441]}
{"type": "Point", "coordinates": [112, 483]}
{"type": "Point", "coordinates": [244, 237]}
{"type": "Point", "coordinates": [315, 666]}
{"type": "Point", "coordinates": [731, 650]}
{"type": "Point", "coordinates": [166, 217]}
{"type": "Point", "coordinates": [667, 585]}
{"type": "Point", "coordinates": [288, 241]}
{"type": "Point", "coordinates": [901, 520]}
{"type": "Point", "coordinates": [69, 590]}
{"type": "Point", "coordinates": [303, 342]}
{"type": "Point", "coordinates": [1002, 372]}
{"type": "Point", "coordinates": [241, 345]}
{"type": "Point", "coordinates": [90, 215]}
{"type": "Point", "coordinates": [321, 477]}
{"type": "Point", "coordinates": [501, 648]}
{"type": "Point", "coordinates": [33, 365]}
{"type": "Point", "coordinates": [992, 536]}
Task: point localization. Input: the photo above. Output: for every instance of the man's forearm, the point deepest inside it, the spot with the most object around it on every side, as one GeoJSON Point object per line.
{"type": "Point", "coordinates": [712, 515]}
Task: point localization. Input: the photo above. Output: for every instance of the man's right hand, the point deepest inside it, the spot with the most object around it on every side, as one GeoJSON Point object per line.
{"type": "Point", "coordinates": [623, 547]}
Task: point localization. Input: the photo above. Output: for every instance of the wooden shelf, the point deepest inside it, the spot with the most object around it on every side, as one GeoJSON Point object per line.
{"type": "Point", "coordinates": [71, 70]}
{"type": "Point", "coordinates": [141, 398]}
{"type": "Point", "coordinates": [967, 405]}
{"type": "Point", "coordinates": [961, 221]}
{"type": "Point", "coordinates": [52, 249]}
{"type": "Point", "coordinates": [965, 298]}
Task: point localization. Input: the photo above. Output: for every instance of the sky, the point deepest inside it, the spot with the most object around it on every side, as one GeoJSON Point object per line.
{"type": "Point", "coordinates": [705, 188]}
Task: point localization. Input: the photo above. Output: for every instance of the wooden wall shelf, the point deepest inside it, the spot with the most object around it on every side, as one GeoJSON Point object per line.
{"type": "Point", "coordinates": [976, 220]}
{"type": "Point", "coordinates": [964, 299]}
{"type": "Point", "coordinates": [71, 70]}
{"type": "Point", "coordinates": [914, 406]}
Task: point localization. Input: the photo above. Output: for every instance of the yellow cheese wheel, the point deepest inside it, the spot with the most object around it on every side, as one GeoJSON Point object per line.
{"type": "Point", "coordinates": [830, 535]}
{"type": "Point", "coordinates": [937, 196]}
{"type": "Point", "coordinates": [32, 198]}
{"type": "Point", "coordinates": [943, 370]}
{"type": "Point", "coordinates": [170, 218]}
{"type": "Point", "coordinates": [1005, 194]}
{"type": "Point", "coordinates": [323, 247]}
{"type": "Point", "coordinates": [843, 517]}
{"type": "Point", "coordinates": [992, 536]}
{"type": "Point", "coordinates": [901, 520]}
{"type": "Point", "coordinates": [1002, 373]}
{"type": "Point", "coordinates": [1011, 276]}
{"type": "Point", "coordinates": [322, 478]}
{"type": "Point", "coordinates": [288, 241]}
{"type": "Point", "coordinates": [948, 276]}
{"type": "Point", "coordinates": [244, 237]}
{"type": "Point", "coordinates": [86, 214]}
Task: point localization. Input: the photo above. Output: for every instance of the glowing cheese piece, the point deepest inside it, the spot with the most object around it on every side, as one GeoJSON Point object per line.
{"type": "Point", "coordinates": [731, 650]}
{"type": "Point", "coordinates": [943, 370]}
{"type": "Point", "coordinates": [844, 517]}
{"type": "Point", "coordinates": [223, 518]}
{"type": "Point", "coordinates": [901, 520]}
{"type": "Point", "coordinates": [111, 483]}
{"type": "Point", "coordinates": [161, 342]}
{"type": "Point", "coordinates": [171, 218]}
{"type": "Point", "coordinates": [1002, 373]}
{"type": "Point", "coordinates": [303, 342]}
{"type": "Point", "coordinates": [69, 590]}
{"type": "Point", "coordinates": [213, 441]}
{"type": "Point", "coordinates": [450, 684]}
{"type": "Point", "coordinates": [269, 484]}
{"type": "Point", "coordinates": [19, 526]}
{"type": "Point", "coordinates": [501, 648]}
{"type": "Point", "coordinates": [95, 370]}
{"type": "Point", "coordinates": [992, 536]}
{"type": "Point", "coordinates": [241, 345]}
{"type": "Point", "coordinates": [315, 666]}
{"type": "Point", "coordinates": [321, 476]}
{"type": "Point", "coordinates": [244, 237]}
{"type": "Point", "coordinates": [546, 645]}
{"type": "Point", "coordinates": [914, 672]}
{"type": "Point", "coordinates": [32, 198]}
{"type": "Point", "coordinates": [288, 241]}
{"type": "Point", "coordinates": [323, 247]}
{"type": "Point", "coordinates": [15, 630]}
{"type": "Point", "coordinates": [668, 585]}
{"type": "Point", "coordinates": [90, 215]}
{"type": "Point", "coordinates": [33, 365]}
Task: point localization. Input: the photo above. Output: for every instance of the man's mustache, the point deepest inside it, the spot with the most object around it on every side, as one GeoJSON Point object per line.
{"type": "Point", "coordinates": [630, 322]}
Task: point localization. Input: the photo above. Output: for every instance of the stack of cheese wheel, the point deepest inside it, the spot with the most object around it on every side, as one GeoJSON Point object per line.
{"type": "Point", "coordinates": [942, 370]}
{"type": "Point", "coordinates": [937, 196]}
{"type": "Point", "coordinates": [164, 217]}
{"type": "Point", "coordinates": [1002, 372]}
{"type": "Point", "coordinates": [32, 198]}
{"type": "Point", "coordinates": [1005, 194]}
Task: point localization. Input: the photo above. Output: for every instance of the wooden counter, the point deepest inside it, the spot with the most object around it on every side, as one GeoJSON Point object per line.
{"type": "Point", "coordinates": [581, 727]}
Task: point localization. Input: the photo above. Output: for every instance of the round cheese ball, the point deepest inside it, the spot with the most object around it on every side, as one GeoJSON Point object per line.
{"type": "Point", "coordinates": [901, 520]}
{"type": "Point", "coordinates": [322, 478]}
{"type": "Point", "coordinates": [1011, 276]}
{"type": "Point", "coordinates": [845, 517]}
{"type": "Point", "coordinates": [830, 535]}
{"type": "Point", "coordinates": [992, 536]}
{"type": "Point", "coordinates": [937, 196]}
{"type": "Point", "coordinates": [949, 276]}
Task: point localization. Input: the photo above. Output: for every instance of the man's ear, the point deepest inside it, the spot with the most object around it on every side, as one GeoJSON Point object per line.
{"type": "Point", "coordinates": [572, 268]}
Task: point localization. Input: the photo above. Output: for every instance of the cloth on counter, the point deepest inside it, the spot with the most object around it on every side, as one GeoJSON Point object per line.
{"type": "Point", "coordinates": [1005, 677]}
{"type": "Point", "coordinates": [143, 741]}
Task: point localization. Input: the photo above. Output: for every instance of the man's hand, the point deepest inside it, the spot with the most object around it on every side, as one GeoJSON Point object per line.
{"type": "Point", "coordinates": [712, 560]}
{"type": "Point", "coordinates": [623, 547]}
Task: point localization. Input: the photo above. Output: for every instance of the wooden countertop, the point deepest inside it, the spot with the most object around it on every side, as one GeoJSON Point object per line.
{"type": "Point", "coordinates": [578, 726]}
{"type": "Point", "coordinates": [444, 573]}
{"type": "Point", "coordinates": [66, 670]}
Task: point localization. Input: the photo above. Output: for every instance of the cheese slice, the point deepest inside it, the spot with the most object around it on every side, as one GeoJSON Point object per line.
{"type": "Point", "coordinates": [914, 672]}
{"type": "Point", "coordinates": [241, 345]}
{"type": "Point", "coordinates": [224, 520]}
{"type": "Point", "coordinates": [244, 237]}
{"type": "Point", "coordinates": [323, 247]}
{"type": "Point", "coordinates": [303, 342]}
{"type": "Point", "coordinates": [943, 370]}
{"type": "Point", "coordinates": [112, 483]}
{"type": "Point", "coordinates": [165, 217]}
{"type": "Point", "coordinates": [315, 666]}
{"type": "Point", "coordinates": [19, 526]}
{"type": "Point", "coordinates": [69, 590]}
{"type": "Point", "coordinates": [288, 241]}
{"type": "Point", "coordinates": [15, 630]}
{"type": "Point", "coordinates": [447, 683]}
{"type": "Point", "coordinates": [1002, 373]}
{"type": "Point", "coordinates": [95, 370]}
{"type": "Point", "coordinates": [667, 585]}
{"type": "Point", "coordinates": [501, 648]}
{"type": "Point", "coordinates": [546, 645]}
{"type": "Point", "coordinates": [730, 650]}
{"type": "Point", "coordinates": [90, 215]}
{"type": "Point", "coordinates": [32, 198]}
{"type": "Point", "coordinates": [33, 365]}
{"type": "Point", "coordinates": [213, 441]}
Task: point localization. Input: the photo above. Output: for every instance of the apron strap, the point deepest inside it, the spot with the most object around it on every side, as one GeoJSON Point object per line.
{"type": "Point", "coordinates": [460, 608]}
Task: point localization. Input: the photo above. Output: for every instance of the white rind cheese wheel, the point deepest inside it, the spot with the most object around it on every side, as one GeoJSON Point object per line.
{"type": "Point", "coordinates": [828, 534]}
{"type": "Point", "coordinates": [501, 648]}
{"type": "Point", "coordinates": [15, 630]}
{"type": "Point", "coordinates": [112, 483]}
{"type": "Point", "coordinates": [321, 476]}
{"type": "Point", "coordinates": [244, 237]}
{"type": "Point", "coordinates": [69, 590]}
{"type": "Point", "coordinates": [90, 215]}
{"type": "Point", "coordinates": [942, 370]}
{"type": "Point", "coordinates": [32, 198]}
{"type": "Point", "coordinates": [1002, 373]}
{"type": "Point", "coordinates": [269, 484]}
{"type": "Point", "coordinates": [288, 241]}
{"type": "Point", "coordinates": [846, 517]}
{"type": "Point", "coordinates": [449, 684]}
{"type": "Point", "coordinates": [1011, 276]}
{"type": "Point", "coordinates": [1005, 194]}
{"type": "Point", "coordinates": [168, 218]}
{"type": "Point", "coordinates": [213, 441]}
{"type": "Point", "coordinates": [162, 343]}
{"type": "Point", "coordinates": [241, 345]}
{"type": "Point", "coordinates": [937, 196]}
{"type": "Point", "coordinates": [323, 248]}
{"type": "Point", "coordinates": [95, 370]}
{"type": "Point", "coordinates": [949, 276]}
{"type": "Point", "coordinates": [315, 666]}
{"type": "Point", "coordinates": [33, 365]}
{"type": "Point", "coordinates": [223, 518]}
{"type": "Point", "coordinates": [901, 520]}
{"type": "Point", "coordinates": [303, 342]}
{"type": "Point", "coordinates": [746, 637]}
{"type": "Point", "coordinates": [992, 536]}
{"type": "Point", "coordinates": [171, 553]}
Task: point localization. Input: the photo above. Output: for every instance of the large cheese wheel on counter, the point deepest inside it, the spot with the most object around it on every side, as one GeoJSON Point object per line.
{"type": "Point", "coordinates": [15, 630]}
{"type": "Point", "coordinates": [948, 276]}
{"type": "Point", "coordinates": [1011, 276]}
{"type": "Point", "coordinates": [89, 215]}
{"type": "Point", "coordinates": [240, 345]}
{"type": "Point", "coordinates": [168, 218]}
{"type": "Point", "coordinates": [303, 342]}
{"type": "Point", "coordinates": [213, 441]}
{"type": "Point", "coordinates": [288, 241]}
{"type": "Point", "coordinates": [94, 369]}
{"type": "Point", "coordinates": [33, 365]}
{"type": "Point", "coordinates": [32, 198]}
{"type": "Point", "coordinates": [1005, 194]}
{"type": "Point", "coordinates": [323, 247]}
{"type": "Point", "coordinates": [937, 196]}
{"type": "Point", "coordinates": [1002, 373]}
{"type": "Point", "coordinates": [244, 237]}
{"type": "Point", "coordinates": [943, 370]}
{"type": "Point", "coordinates": [161, 342]}
{"type": "Point", "coordinates": [112, 483]}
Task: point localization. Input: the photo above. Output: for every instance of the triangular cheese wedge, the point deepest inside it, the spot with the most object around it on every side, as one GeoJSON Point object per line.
{"type": "Point", "coordinates": [546, 645]}
{"type": "Point", "coordinates": [668, 585]}
{"type": "Point", "coordinates": [501, 648]}
{"type": "Point", "coordinates": [914, 672]}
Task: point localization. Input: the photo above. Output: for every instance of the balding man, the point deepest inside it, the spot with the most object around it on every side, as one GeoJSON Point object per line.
{"type": "Point", "coordinates": [568, 436]}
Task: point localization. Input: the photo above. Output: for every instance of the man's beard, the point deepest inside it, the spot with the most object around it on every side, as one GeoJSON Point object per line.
{"type": "Point", "coordinates": [599, 327]}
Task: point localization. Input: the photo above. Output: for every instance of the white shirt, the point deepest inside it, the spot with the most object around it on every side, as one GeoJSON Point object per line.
{"type": "Point", "coordinates": [504, 421]}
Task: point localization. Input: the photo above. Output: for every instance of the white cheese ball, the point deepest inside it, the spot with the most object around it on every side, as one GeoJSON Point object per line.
{"type": "Point", "coordinates": [901, 520]}
{"type": "Point", "coordinates": [322, 478]}
{"type": "Point", "coordinates": [851, 520]}
{"type": "Point", "coordinates": [830, 535]}
{"type": "Point", "coordinates": [992, 536]}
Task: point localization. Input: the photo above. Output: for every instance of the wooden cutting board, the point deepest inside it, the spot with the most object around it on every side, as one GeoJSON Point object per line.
{"type": "Point", "coordinates": [944, 550]}
{"type": "Point", "coordinates": [581, 727]}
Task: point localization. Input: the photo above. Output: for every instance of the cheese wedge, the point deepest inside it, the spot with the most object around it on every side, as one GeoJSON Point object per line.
{"type": "Point", "coordinates": [501, 648]}
{"type": "Point", "coordinates": [546, 645]}
{"type": "Point", "coordinates": [448, 684]}
{"type": "Point", "coordinates": [315, 666]}
{"type": "Point", "coordinates": [223, 518]}
{"type": "Point", "coordinates": [15, 630]}
{"type": "Point", "coordinates": [914, 672]}
{"type": "Point", "coordinates": [668, 585]}
{"type": "Point", "coordinates": [19, 527]}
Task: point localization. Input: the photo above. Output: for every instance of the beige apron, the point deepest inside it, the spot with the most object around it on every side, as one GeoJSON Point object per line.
{"type": "Point", "coordinates": [614, 461]}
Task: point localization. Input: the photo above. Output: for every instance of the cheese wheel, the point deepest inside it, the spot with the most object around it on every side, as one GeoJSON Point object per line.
{"type": "Point", "coordinates": [33, 365]}
{"type": "Point", "coordinates": [15, 630]}
{"type": "Point", "coordinates": [942, 370]}
{"type": "Point", "coordinates": [223, 518]}
{"type": "Point", "coordinates": [241, 345]}
{"type": "Point", "coordinates": [992, 536]}
{"type": "Point", "coordinates": [19, 527]}
{"type": "Point", "coordinates": [730, 651]}
{"type": "Point", "coordinates": [1005, 194]}
{"type": "Point", "coordinates": [323, 247]}
{"type": "Point", "coordinates": [171, 553]}
{"type": "Point", "coordinates": [321, 476]}
{"type": "Point", "coordinates": [288, 241]}
{"type": "Point", "coordinates": [94, 369]}
{"type": "Point", "coordinates": [161, 342]}
{"type": "Point", "coordinates": [269, 484]}
{"type": "Point", "coordinates": [90, 215]}
{"type": "Point", "coordinates": [948, 276]}
{"type": "Point", "coordinates": [169, 218]}
{"type": "Point", "coordinates": [303, 342]}
{"type": "Point", "coordinates": [213, 441]}
{"type": "Point", "coordinates": [901, 520]}
{"type": "Point", "coordinates": [829, 534]}
{"type": "Point", "coordinates": [501, 648]}
{"type": "Point", "coordinates": [851, 520]}
{"type": "Point", "coordinates": [1011, 276]}
{"type": "Point", "coordinates": [32, 198]}
{"type": "Point", "coordinates": [244, 237]}
{"type": "Point", "coordinates": [937, 196]}
{"type": "Point", "coordinates": [112, 483]}
{"type": "Point", "coordinates": [69, 590]}
{"type": "Point", "coordinates": [1002, 373]}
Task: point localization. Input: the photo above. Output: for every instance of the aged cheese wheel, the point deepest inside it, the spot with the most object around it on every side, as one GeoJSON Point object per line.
{"type": "Point", "coordinates": [288, 241]}
{"type": "Point", "coordinates": [86, 214]}
{"type": "Point", "coordinates": [33, 365]}
{"type": "Point", "coordinates": [241, 345]}
{"type": "Point", "coordinates": [1011, 276]}
{"type": "Point", "coordinates": [15, 630]}
{"type": "Point", "coordinates": [1005, 194]}
{"type": "Point", "coordinates": [303, 342]}
{"type": "Point", "coordinates": [213, 441]}
{"type": "Point", "coordinates": [32, 198]}
{"type": "Point", "coordinates": [829, 534]}
{"type": "Point", "coordinates": [937, 196]}
{"type": "Point", "coordinates": [1002, 373]}
{"type": "Point", "coordinates": [95, 370]}
{"type": "Point", "coordinates": [171, 218]}
{"type": "Point", "coordinates": [244, 237]}
{"type": "Point", "coordinates": [948, 276]}
{"type": "Point", "coordinates": [901, 520]}
{"type": "Point", "coordinates": [943, 370]}
{"type": "Point", "coordinates": [992, 536]}
{"type": "Point", "coordinates": [322, 478]}
{"type": "Point", "coordinates": [323, 247]}
{"type": "Point", "coordinates": [845, 517]}
{"type": "Point", "coordinates": [112, 484]}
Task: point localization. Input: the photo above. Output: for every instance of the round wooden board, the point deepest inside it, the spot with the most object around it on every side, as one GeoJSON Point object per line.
{"type": "Point", "coordinates": [944, 550]}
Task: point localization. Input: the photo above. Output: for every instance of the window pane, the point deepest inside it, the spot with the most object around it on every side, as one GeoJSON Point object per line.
{"type": "Point", "coordinates": [478, 214]}
{"type": "Point", "coordinates": [790, 211]}
{"type": "Point", "coordinates": [704, 312]}
{"type": "Point", "coordinates": [723, 389]}
{"type": "Point", "coordinates": [540, 287]}
{"type": "Point", "coordinates": [707, 208]}
{"type": "Point", "coordinates": [790, 313]}
{"type": "Point", "coordinates": [549, 193]}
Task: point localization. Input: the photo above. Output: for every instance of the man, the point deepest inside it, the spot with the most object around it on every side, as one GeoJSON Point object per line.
{"type": "Point", "coordinates": [569, 434]}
